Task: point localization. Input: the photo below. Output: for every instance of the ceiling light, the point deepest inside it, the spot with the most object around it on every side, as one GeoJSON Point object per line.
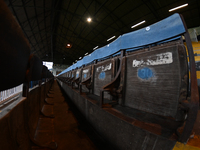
{"type": "Point", "coordinates": [178, 7]}
{"type": "Point", "coordinates": [86, 54]}
{"type": "Point", "coordinates": [80, 57]}
{"type": "Point", "coordinates": [111, 38]}
{"type": "Point", "coordinates": [89, 19]}
{"type": "Point", "coordinates": [95, 47]}
{"type": "Point", "coordinates": [68, 45]}
{"type": "Point", "coordinates": [75, 60]}
{"type": "Point", "coordinates": [138, 24]}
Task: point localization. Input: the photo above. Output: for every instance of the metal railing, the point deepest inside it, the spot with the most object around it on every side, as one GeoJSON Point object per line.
{"type": "Point", "coordinates": [4, 95]}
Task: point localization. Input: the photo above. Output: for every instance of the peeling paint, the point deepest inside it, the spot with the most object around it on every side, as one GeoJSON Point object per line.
{"type": "Point", "coordinates": [104, 68]}
{"type": "Point", "coordinates": [77, 73]}
{"type": "Point", "coordinates": [138, 63]}
{"type": "Point", "coordinates": [145, 73]}
{"type": "Point", "coordinates": [85, 75]}
{"type": "Point", "coordinates": [85, 71]}
{"type": "Point", "coordinates": [102, 75]}
{"type": "Point", "coordinates": [159, 59]}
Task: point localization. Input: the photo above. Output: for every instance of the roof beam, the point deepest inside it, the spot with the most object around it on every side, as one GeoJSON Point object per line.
{"type": "Point", "coordinates": [110, 12]}
{"type": "Point", "coordinates": [19, 22]}
{"type": "Point", "coordinates": [38, 24]}
{"type": "Point", "coordinates": [152, 9]}
{"type": "Point", "coordinates": [72, 17]}
{"type": "Point", "coordinates": [28, 19]}
{"type": "Point", "coordinates": [54, 18]}
{"type": "Point", "coordinates": [65, 17]}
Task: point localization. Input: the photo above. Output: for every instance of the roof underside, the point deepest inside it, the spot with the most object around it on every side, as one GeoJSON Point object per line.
{"type": "Point", "coordinates": [50, 25]}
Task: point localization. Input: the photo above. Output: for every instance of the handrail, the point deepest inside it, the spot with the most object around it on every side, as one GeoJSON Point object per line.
{"type": "Point", "coordinates": [86, 82]}
{"type": "Point", "coordinates": [76, 81]}
{"type": "Point", "coordinates": [193, 104]}
{"type": "Point", "coordinates": [110, 86]}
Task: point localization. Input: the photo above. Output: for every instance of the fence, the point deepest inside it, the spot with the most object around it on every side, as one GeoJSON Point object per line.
{"type": "Point", "coordinates": [4, 95]}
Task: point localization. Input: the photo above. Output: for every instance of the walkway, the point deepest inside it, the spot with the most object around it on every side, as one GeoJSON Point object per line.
{"type": "Point", "coordinates": [64, 128]}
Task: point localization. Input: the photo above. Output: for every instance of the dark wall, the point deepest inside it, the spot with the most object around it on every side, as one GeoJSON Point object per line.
{"type": "Point", "coordinates": [120, 131]}
{"type": "Point", "coordinates": [19, 124]}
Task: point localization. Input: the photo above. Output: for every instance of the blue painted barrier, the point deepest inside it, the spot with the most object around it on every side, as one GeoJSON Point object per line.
{"type": "Point", "coordinates": [166, 30]}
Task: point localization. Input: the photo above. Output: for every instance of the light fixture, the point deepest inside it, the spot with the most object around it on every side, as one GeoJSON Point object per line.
{"type": "Point", "coordinates": [89, 19]}
{"type": "Point", "coordinates": [178, 7]}
{"type": "Point", "coordinates": [138, 24]}
{"type": "Point", "coordinates": [86, 54]}
{"type": "Point", "coordinates": [68, 45]}
{"type": "Point", "coordinates": [80, 57]}
{"type": "Point", "coordinates": [95, 47]}
{"type": "Point", "coordinates": [111, 38]}
{"type": "Point", "coordinates": [75, 60]}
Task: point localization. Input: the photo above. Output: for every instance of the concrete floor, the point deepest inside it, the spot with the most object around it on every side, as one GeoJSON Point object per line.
{"type": "Point", "coordinates": [64, 128]}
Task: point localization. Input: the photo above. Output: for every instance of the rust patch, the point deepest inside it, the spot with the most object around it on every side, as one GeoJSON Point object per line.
{"type": "Point", "coordinates": [194, 140]}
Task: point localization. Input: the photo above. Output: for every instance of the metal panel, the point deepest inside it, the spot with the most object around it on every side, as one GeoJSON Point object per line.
{"type": "Point", "coordinates": [154, 81]}
{"type": "Point", "coordinates": [78, 73]}
{"type": "Point", "coordinates": [86, 73]}
{"type": "Point", "coordinates": [103, 74]}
